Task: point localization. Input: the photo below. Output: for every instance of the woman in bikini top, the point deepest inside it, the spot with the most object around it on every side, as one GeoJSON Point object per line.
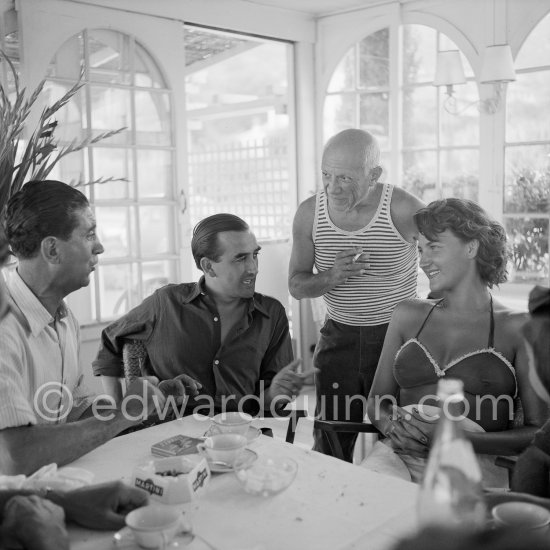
{"type": "Point", "coordinates": [464, 334]}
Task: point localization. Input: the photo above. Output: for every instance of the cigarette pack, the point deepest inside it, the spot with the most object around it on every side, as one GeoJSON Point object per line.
{"type": "Point", "coordinates": [176, 445]}
{"type": "Point", "coordinates": [173, 480]}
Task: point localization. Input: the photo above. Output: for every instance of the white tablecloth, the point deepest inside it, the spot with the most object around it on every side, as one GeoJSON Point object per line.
{"type": "Point", "coordinates": [331, 504]}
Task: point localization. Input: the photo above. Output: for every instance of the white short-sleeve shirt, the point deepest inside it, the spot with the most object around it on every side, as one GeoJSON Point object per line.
{"type": "Point", "coordinates": [40, 376]}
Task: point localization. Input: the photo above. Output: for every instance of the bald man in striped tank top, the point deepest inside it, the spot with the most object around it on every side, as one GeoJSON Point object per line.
{"type": "Point", "coordinates": [360, 237]}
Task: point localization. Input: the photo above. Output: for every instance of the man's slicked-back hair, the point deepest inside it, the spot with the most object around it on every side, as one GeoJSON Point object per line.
{"type": "Point", "coordinates": [4, 250]}
{"type": "Point", "coordinates": [42, 209]}
{"type": "Point", "coordinates": [204, 243]}
{"type": "Point", "coordinates": [468, 221]}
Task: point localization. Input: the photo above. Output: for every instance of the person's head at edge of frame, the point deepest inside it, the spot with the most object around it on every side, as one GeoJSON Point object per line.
{"type": "Point", "coordinates": [536, 332]}
{"type": "Point", "coordinates": [51, 231]}
{"type": "Point", "coordinates": [226, 251]}
{"type": "Point", "coordinates": [483, 238]}
{"type": "Point", "coordinates": [350, 168]}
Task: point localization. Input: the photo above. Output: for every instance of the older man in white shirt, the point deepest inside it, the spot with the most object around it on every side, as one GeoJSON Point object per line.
{"type": "Point", "coordinates": [45, 413]}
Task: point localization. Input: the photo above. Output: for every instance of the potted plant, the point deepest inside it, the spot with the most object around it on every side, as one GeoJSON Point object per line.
{"type": "Point", "coordinates": [32, 156]}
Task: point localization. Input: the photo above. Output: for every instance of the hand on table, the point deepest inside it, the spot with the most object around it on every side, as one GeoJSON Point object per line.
{"type": "Point", "coordinates": [180, 387]}
{"type": "Point", "coordinates": [102, 506]}
{"type": "Point", "coordinates": [348, 264]}
{"type": "Point", "coordinates": [33, 523]}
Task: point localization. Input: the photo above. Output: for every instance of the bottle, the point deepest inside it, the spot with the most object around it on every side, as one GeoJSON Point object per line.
{"type": "Point", "coordinates": [451, 493]}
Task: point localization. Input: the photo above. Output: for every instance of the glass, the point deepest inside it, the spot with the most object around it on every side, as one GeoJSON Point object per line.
{"type": "Point", "coordinates": [374, 116]}
{"type": "Point", "coordinates": [153, 115]}
{"type": "Point", "coordinates": [117, 290]}
{"type": "Point", "coordinates": [461, 129]}
{"type": "Point", "coordinates": [420, 174]}
{"type": "Point", "coordinates": [112, 163]}
{"type": "Point", "coordinates": [113, 228]}
{"type": "Point", "coordinates": [68, 60]}
{"type": "Point", "coordinates": [419, 116]}
{"type": "Point", "coordinates": [156, 230]}
{"type": "Point", "coordinates": [70, 120]}
{"type": "Point", "coordinates": [374, 60]}
{"type": "Point", "coordinates": [147, 74]}
{"type": "Point", "coordinates": [155, 174]}
{"type": "Point", "coordinates": [527, 178]}
{"type": "Point", "coordinates": [529, 240]}
{"type": "Point", "coordinates": [109, 57]}
{"type": "Point", "coordinates": [526, 99]}
{"type": "Point", "coordinates": [535, 51]}
{"type": "Point", "coordinates": [343, 77]}
{"type": "Point", "coordinates": [157, 274]}
{"type": "Point", "coordinates": [419, 53]}
{"type": "Point", "coordinates": [339, 114]}
{"type": "Point", "coordinates": [459, 171]}
{"type": "Point", "coordinates": [110, 111]}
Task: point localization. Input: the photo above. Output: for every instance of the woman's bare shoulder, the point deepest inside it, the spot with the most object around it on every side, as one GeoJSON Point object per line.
{"type": "Point", "coordinates": [509, 322]}
{"type": "Point", "coordinates": [411, 312]}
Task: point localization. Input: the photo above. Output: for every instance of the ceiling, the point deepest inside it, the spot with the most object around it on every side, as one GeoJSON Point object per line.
{"type": "Point", "coordinates": [319, 7]}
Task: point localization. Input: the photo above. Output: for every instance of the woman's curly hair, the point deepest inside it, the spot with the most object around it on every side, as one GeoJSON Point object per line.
{"type": "Point", "coordinates": [468, 221]}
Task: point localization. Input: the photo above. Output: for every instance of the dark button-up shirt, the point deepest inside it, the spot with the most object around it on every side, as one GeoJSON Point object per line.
{"type": "Point", "coordinates": [180, 328]}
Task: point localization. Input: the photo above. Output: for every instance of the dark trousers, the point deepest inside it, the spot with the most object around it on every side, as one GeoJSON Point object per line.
{"type": "Point", "coordinates": [347, 357]}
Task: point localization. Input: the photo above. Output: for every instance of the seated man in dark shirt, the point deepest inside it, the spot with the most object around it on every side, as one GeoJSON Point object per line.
{"type": "Point", "coordinates": [226, 346]}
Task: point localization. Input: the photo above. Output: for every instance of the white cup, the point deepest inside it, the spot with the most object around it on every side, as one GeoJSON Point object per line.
{"type": "Point", "coordinates": [521, 515]}
{"type": "Point", "coordinates": [231, 423]}
{"type": "Point", "coordinates": [154, 526]}
{"type": "Point", "coordinates": [223, 448]}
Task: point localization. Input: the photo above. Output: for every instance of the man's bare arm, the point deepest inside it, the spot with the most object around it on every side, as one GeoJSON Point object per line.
{"type": "Point", "coordinates": [24, 449]}
{"type": "Point", "coordinates": [302, 282]}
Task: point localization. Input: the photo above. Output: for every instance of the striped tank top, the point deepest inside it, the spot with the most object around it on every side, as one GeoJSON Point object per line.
{"type": "Point", "coordinates": [369, 299]}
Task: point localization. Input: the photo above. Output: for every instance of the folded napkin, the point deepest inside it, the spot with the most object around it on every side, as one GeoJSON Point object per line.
{"type": "Point", "coordinates": [50, 476]}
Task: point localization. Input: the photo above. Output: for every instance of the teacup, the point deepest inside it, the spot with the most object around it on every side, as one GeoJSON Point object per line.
{"type": "Point", "coordinates": [154, 526]}
{"type": "Point", "coordinates": [231, 423]}
{"type": "Point", "coordinates": [521, 514]}
{"type": "Point", "coordinates": [223, 448]}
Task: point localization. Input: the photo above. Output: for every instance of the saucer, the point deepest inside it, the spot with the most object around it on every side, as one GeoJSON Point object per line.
{"type": "Point", "coordinates": [218, 468]}
{"type": "Point", "coordinates": [251, 435]}
{"type": "Point", "coordinates": [125, 539]}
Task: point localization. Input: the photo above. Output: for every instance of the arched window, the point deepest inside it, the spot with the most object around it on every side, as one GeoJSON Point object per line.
{"type": "Point", "coordinates": [527, 160]}
{"type": "Point", "coordinates": [123, 87]}
{"type": "Point", "coordinates": [427, 150]}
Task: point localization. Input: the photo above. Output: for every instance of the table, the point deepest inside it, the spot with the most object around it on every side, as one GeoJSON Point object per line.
{"type": "Point", "coordinates": [331, 504]}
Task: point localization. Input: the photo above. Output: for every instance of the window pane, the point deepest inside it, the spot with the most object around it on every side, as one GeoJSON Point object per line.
{"type": "Point", "coordinates": [527, 98]}
{"type": "Point", "coordinates": [111, 110]}
{"type": "Point", "coordinates": [374, 60]}
{"type": "Point", "coordinates": [460, 174]}
{"type": "Point", "coordinates": [374, 116]}
{"type": "Point", "coordinates": [527, 179]}
{"type": "Point", "coordinates": [419, 116]}
{"type": "Point", "coordinates": [118, 292]}
{"type": "Point", "coordinates": [339, 114]}
{"type": "Point", "coordinates": [113, 163]}
{"type": "Point", "coordinates": [419, 175]}
{"type": "Point", "coordinates": [156, 230]}
{"type": "Point", "coordinates": [67, 62]}
{"type": "Point", "coordinates": [343, 77]}
{"type": "Point", "coordinates": [109, 60]}
{"type": "Point", "coordinates": [70, 119]}
{"type": "Point", "coordinates": [113, 227]}
{"type": "Point", "coordinates": [147, 74]}
{"type": "Point", "coordinates": [385, 163]}
{"type": "Point", "coordinates": [156, 275]}
{"type": "Point", "coordinates": [155, 169]}
{"type": "Point", "coordinates": [419, 52]}
{"type": "Point", "coordinates": [535, 51]}
{"type": "Point", "coordinates": [153, 118]}
{"type": "Point", "coordinates": [461, 129]}
{"type": "Point", "coordinates": [529, 239]}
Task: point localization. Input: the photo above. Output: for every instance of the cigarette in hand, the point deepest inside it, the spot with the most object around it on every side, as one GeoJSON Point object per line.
{"type": "Point", "coordinates": [356, 257]}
